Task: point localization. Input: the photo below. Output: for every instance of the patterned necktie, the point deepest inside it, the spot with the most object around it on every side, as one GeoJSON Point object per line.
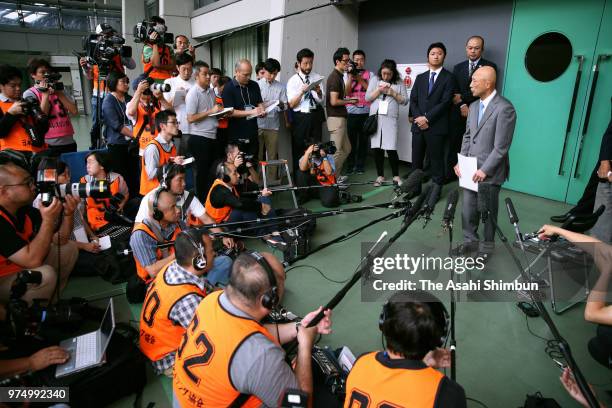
{"type": "Point", "coordinates": [472, 66]}
{"type": "Point", "coordinates": [311, 101]}
{"type": "Point", "coordinates": [432, 80]}
{"type": "Point", "coordinates": [480, 112]}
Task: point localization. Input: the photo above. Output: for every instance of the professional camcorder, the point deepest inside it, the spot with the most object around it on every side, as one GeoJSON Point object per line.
{"type": "Point", "coordinates": [103, 46]}
{"type": "Point", "coordinates": [328, 147]}
{"type": "Point", "coordinates": [48, 187]}
{"type": "Point", "coordinates": [144, 29]}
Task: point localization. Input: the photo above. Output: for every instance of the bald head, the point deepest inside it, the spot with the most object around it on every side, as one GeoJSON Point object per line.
{"type": "Point", "coordinates": [9, 172]}
{"type": "Point", "coordinates": [243, 71]}
{"type": "Point", "coordinates": [483, 82]}
{"type": "Point", "coordinates": [249, 281]}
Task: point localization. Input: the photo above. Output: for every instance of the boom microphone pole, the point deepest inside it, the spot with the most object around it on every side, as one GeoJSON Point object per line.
{"type": "Point", "coordinates": [563, 345]}
{"type": "Point", "coordinates": [298, 188]}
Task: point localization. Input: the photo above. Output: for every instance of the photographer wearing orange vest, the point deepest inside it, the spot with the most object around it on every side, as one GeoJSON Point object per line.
{"type": "Point", "coordinates": [157, 56]}
{"type": "Point", "coordinates": [228, 358]}
{"type": "Point", "coordinates": [175, 294]}
{"type": "Point", "coordinates": [29, 239]}
{"type": "Point", "coordinates": [159, 151]}
{"type": "Point", "coordinates": [317, 167]}
{"type": "Point", "coordinates": [161, 226]}
{"type": "Point", "coordinates": [22, 123]}
{"type": "Point", "coordinates": [414, 325]}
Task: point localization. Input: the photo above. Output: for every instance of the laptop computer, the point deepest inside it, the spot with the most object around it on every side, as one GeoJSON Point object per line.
{"type": "Point", "coordinates": [88, 350]}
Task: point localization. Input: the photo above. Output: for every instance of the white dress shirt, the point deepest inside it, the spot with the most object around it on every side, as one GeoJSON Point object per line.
{"type": "Point", "coordinates": [294, 88]}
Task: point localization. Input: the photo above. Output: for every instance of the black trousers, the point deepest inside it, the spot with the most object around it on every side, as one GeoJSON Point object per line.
{"type": "Point", "coordinates": [204, 151]}
{"type": "Point", "coordinates": [306, 128]}
{"type": "Point", "coordinates": [379, 159]}
{"type": "Point", "coordinates": [586, 204]}
{"type": "Point", "coordinates": [360, 142]}
{"type": "Point", "coordinates": [329, 196]}
{"type": "Point", "coordinates": [126, 165]}
{"type": "Point", "coordinates": [433, 145]}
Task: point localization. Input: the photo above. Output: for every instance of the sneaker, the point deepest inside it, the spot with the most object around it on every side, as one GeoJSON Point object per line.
{"type": "Point", "coordinates": [397, 181]}
{"type": "Point", "coordinates": [342, 180]}
{"type": "Point", "coordinates": [379, 181]}
{"type": "Point", "coordinates": [275, 241]}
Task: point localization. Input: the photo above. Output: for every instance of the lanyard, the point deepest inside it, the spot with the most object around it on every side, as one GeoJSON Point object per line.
{"type": "Point", "coordinates": [248, 95]}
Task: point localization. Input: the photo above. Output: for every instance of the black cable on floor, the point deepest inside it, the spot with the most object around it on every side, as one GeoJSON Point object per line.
{"type": "Point", "coordinates": [318, 270]}
{"type": "Point", "coordinates": [477, 401]}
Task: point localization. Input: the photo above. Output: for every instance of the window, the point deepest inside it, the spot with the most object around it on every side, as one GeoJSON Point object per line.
{"type": "Point", "coordinates": [250, 43]}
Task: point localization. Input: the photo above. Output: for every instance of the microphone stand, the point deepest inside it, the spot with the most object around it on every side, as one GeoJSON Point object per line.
{"type": "Point", "coordinates": [563, 345]}
{"type": "Point", "coordinates": [297, 188]}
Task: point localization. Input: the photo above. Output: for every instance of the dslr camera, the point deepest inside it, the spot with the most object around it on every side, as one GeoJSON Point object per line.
{"type": "Point", "coordinates": [144, 29]}
{"type": "Point", "coordinates": [48, 187]}
{"type": "Point", "coordinates": [31, 108]}
{"type": "Point", "coordinates": [327, 147]}
{"type": "Point", "coordinates": [246, 158]}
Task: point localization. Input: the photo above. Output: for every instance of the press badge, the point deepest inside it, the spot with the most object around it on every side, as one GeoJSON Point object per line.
{"type": "Point", "coordinates": [383, 107]}
{"type": "Point", "coordinates": [248, 107]}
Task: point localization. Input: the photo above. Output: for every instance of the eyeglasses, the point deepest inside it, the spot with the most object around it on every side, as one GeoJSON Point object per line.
{"type": "Point", "coordinates": [173, 122]}
{"type": "Point", "coordinates": [27, 182]}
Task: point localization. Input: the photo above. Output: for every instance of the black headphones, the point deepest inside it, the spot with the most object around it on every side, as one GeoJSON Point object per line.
{"type": "Point", "coordinates": [269, 299]}
{"type": "Point", "coordinates": [158, 215]}
{"type": "Point", "coordinates": [222, 173]}
{"type": "Point", "coordinates": [439, 312]}
{"type": "Point", "coordinates": [199, 261]}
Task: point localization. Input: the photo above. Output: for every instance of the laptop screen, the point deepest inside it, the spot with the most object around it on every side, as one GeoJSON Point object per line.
{"type": "Point", "coordinates": [107, 326]}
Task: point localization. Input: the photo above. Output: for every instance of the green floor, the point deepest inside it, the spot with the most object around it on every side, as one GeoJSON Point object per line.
{"type": "Point", "coordinates": [498, 361]}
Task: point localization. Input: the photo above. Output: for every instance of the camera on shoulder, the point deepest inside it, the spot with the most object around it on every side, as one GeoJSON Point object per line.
{"type": "Point", "coordinates": [144, 30]}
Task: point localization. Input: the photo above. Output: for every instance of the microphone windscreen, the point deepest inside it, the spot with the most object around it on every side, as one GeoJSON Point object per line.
{"type": "Point", "coordinates": [418, 204]}
{"type": "Point", "coordinates": [511, 211]}
{"type": "Point", "coordinates": [412, 183]}
{"type": "Point", "coordinates": [453, 197]}
{"type": "Point", "coordinates": [484, 194]}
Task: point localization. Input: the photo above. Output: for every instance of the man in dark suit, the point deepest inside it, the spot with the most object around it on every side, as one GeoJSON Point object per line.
{"type": "Point", "coordinates": [430, 103]}
{"type": "Point", "coordinates": [488, 135]}
{"type": "Point", "coordinates": [463, 97]}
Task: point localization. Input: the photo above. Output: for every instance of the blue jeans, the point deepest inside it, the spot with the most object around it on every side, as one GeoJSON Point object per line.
{"type": "Point", "coordinates": [220, 272]}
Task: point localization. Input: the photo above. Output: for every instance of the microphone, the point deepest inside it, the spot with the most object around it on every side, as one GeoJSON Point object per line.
{"type": "Point", "coordinates": [368, 258]}
{"type": "Point", "coordinates": [514, 220]}
{"type": "Point", "coordinates": [484, 200]}
{"type": "Point", "coordinates": [449, 212]}
{"type": "Point", "coordinates": [418, 204]}
{"type": "Point", "coordinates": [411, 186]}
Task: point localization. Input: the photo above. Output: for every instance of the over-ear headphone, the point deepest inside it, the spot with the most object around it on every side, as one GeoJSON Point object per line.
{"type": "Point", "coordinates": [158, 215]}
{"type": "Point", "coordinates": [222, 173]}
{"type": "Point", "coordinates": [438, 310]}
{"type": "Point", "coordinates": [269, 299]}
{"type": "Point", "coordinates": [199, 261]}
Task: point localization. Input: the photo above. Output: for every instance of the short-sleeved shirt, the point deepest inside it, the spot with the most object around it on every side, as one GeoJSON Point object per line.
{"type": "Point", "coordinates": [274, 91]}
{"type": "Point", "coordinates": [238, 97]}
{"type": "Point", "coordinates": [258, 366]}
{"type": "Point", "coordinates": [195, 209]}
{"type": "Point", "coordinates": [147, 52]}
{"type": "Point", "coordinates": [178, 98]}
{"type": "Point", "coordinates": [335, 83]}
{"type": "Point", "coordinates": [201, 100]}
{"type": "Point", "coordinates": [11, 243]}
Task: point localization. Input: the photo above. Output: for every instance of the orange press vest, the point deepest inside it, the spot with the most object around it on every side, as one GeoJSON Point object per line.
{"type": "Point", "coordinates": [96, 206]}
{"type": "Point", "coordinates": [140, 270]}
{"type": "Point", "coordinates": [159, 335]}
{"type": "Point", "coordinates": [202, 367]}
{"type": "Point", "coordinates": [165, 59]}
{"type": "Point", "coordinates": [370, 384]}
{"type": "Point", "coordinates": [147, 185]}
{"type": "Point", "coordinates": [322, 178]}
{"type": "Point", "coordinates": [7, 267]}
{"type": "Point", "coordinates": [218, 214]}
{"type": "Point", "coordinates": [145, 117]}
{"type": "Point", "coordinates": [18, 138]}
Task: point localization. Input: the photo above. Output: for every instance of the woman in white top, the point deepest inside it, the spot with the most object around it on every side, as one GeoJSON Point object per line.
{"type": "Point", "coordinates": [386, 92]}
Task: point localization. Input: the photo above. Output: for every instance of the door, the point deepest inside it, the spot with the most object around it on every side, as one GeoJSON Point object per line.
{"type": "Point", "coordinates": [548, 78]}
{"type": "Point", "coordinates": [597, 111]}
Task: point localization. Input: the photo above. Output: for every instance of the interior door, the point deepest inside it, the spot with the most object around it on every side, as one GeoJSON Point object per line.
{"type": "Point", "coordinates": [547, 77]}
{"type": "Point", "coordinates": [597, 110]}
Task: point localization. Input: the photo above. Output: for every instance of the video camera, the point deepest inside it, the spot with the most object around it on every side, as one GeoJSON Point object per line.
{"type": "Point", "coordinates": [28, 320]}
{"type": "Point", "coordinates": [103, 46]}
{"type": "Point", "coordinates": [144, 29]}
{"type": "Point", "coordinates": [327, 147]}
{"type": "Point", "coordinates": [53, 82]}
{"type": "Point", "coordinates": [48, 187]}
{"type": "Point", "coordinates": [352, 68]}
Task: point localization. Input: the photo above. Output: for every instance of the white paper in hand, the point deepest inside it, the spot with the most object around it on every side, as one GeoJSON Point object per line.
{"type": "Point", "coordinates": [467, 168]}
{"type": "Point", "coordinates": [105, 242]}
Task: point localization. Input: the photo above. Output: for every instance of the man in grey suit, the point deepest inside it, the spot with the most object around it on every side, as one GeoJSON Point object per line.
{"type": "Point", "coordinates": [488, 135]}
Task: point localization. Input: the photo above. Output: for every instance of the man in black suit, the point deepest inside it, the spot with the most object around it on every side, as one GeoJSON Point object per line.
{"type": "Point", "coordinates": [462, 98]}
{"type": "Point", "coordinates": [430, 103]}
